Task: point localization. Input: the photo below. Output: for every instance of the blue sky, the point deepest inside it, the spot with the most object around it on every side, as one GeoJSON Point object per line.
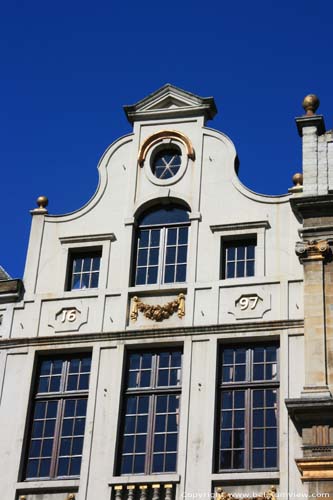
{"type": "Point", "coordinates": [68, 67]}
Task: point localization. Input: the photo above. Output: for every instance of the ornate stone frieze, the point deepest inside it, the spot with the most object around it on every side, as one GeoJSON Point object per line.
{"type": "Point", "coordinates": [158, 312]}
{"type": "Point", "coordinates": [267, 495]}
{"type": "Point", "coordinates": [312, 250]}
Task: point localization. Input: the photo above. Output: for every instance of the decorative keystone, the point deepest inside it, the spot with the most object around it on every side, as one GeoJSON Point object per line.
{"type": "Point", "coordinates": [312, 250]}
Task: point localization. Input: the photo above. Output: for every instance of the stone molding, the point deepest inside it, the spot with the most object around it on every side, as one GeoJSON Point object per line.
{"type": "Point", "coordinates": [315, 469]}
{"type": "Point", "coordinates": [312, 250]}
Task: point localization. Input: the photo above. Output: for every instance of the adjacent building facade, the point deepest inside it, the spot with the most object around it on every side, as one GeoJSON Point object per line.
{"type": "Point", "coordinates": [167, 340]}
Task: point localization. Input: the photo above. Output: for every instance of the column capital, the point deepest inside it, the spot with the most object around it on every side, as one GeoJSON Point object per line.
{"type": "Point", "coordinates": [312, 250]}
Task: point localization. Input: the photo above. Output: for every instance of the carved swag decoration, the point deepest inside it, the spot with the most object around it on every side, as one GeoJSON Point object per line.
{"type": "Point", "coordinates": [267, 495]}
{"type": "Point", "coordinates": [157, 312]}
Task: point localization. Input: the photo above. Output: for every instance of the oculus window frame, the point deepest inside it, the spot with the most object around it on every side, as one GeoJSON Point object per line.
{"type": "Point", "coordinates": [153, 147]}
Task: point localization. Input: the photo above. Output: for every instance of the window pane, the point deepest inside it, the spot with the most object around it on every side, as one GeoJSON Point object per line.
{"type": "Point", "coordinates": [181, 273]}
{"type": "Point", "coordinates": [240, 269]}
{"type": "Point", "coordinates": [153, 256]}
{"type": "Point", "coordinates": [250, 268]}
{"type": "Point", "coordinates": [182, 235]}
{"type": "Point", "coordinates": [155, 237]}
{"type": "Point", "coordinates": [258, 459]}
{"type": "Point", "coordinates": [225, 459]}
{"type": "Point", "coordinates": [169, 274]}
{"type": "Point", "coordinates": [141, 276]}
{"type": "Point", "coordinates": [250, 252]}
{"type": "Point", "coordinates": [77, 265]}
{"type": "Point", "coordinates": [143, 239]}
{"type": "Point", "coordinates": [94, 280]}
{"type": "Point", "coordinates": [96, 264]}
{"type": "Point", "coordinates": [152, 275]}
{"type": "Point", "coordinates": [231, 253]}
{"type": "Point", "coordinates": [143, 257]}
{"type": "Point", "coordinates": [170, 255]}
{"type": "Point", "coordinates": [271, 458]}
{"type": "Point", "coordinates": [172, 237]}
{"type": "Point", "coordinates": [230, 270]}
{"type": "Point", "coordinates": [238, 459]}
{"type": "Point", "coordinates": [139, 464]}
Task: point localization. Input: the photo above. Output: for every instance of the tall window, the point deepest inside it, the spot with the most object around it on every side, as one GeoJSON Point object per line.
{"type": "Point", "coordinates": [247, 422]}
{"type": "Point", "coordinates": [84, 270]}
{"type": "Point", "coordinates": [149, 438]}
{"type": "Point", "coordinates": [161, 246]}
{"type": "Point", "coordinates": [58, 420]}
{"type": "Point", "coordinates": [238, 258]}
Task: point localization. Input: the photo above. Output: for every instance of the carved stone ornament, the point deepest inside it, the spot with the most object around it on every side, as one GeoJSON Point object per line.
{"type": "Point", "coordinates": [312, 250]}
{"type": "Point", "coordinates": [68, 318]}
{"type": "Point", "coordinates": [267, 495]}
{"type": "Point", "coordinates": [157, 312]}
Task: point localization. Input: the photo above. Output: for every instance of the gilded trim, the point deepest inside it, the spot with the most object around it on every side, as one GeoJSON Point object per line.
{"type": "Point", "coordinates": [157, 312]}
{"type": "Point", "coordinates": [153, 139]}
{"type": "Point", "coordinates": [312, 250]}
{"type": "Point", "coordinates": [267, 495]}
{"type": "Point", "coordinates": [315, 469]}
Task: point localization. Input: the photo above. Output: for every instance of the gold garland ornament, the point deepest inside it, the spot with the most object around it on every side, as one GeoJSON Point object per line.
{"type": "Point", "coordinates": [267, 495]}
{"type": "Point", "coordinates": [158, 313]}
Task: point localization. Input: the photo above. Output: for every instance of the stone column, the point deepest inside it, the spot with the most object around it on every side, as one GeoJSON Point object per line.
{"type": "Point", "coordinates": [312, 255]}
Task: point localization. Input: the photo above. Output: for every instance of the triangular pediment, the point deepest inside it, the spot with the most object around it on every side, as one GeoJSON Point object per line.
{"type": "Point", "coordinates": [171, 101]}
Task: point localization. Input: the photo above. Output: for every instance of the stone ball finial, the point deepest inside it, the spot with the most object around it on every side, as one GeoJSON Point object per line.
{"type": "Point", "coordinates": [42, 201]}
{"type": "Point", "coordinates": [298, 179]}
{"type": "Point", "coordinates": [310, 104]}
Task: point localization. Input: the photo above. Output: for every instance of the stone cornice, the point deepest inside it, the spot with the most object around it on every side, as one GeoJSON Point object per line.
{"type": "Point", "coordinates": [315, 469]}
{"type": "Point", "coordinates": [254, 328]}
{"type": "Point", "coordinates": [305, 207]}
{"type": "Point", "coordinates": [11, 291]}
{"type": "Point", "coordinates": [310, 121]}
{"type": "Point", "coordinates": [249, 225]}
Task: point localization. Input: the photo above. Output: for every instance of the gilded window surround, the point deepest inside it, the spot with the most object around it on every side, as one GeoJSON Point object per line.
{"type": "Point", "coordinates": [154, 139]}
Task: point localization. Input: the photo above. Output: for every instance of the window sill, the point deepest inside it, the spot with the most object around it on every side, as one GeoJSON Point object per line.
{"type": "Point", "coordinates": [144, 289]}
{"type": "Point", "coordinates": [153, 478]}
{"type": "Point", "coordinates": [51, 484]}
{"type": "Point", "coordinates": [249, 280]}
{"type": "Point", "coordinates": [239, 476]}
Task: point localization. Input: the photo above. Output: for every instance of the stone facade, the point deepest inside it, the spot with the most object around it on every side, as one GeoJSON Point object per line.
{"type": "Point", "coordinates": [173, 258]}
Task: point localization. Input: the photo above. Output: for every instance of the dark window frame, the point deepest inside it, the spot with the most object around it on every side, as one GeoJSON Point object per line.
{"type": "Point", "coordinates": [247, 386]}
{"type": "Point", "coordinates": [237, 242]}
{"type": "Point", "coordinates": [69, 404]}
{"type": "Point", "coordinates": [83, 253]}
{"type": "Point", "coordinates": [153, 392]}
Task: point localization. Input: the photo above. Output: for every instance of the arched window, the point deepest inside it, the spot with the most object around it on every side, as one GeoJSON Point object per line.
{"type": "Point", "coordinates": [161, 246]}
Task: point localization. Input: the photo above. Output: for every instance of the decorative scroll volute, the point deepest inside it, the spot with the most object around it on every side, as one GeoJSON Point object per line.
{"type": "Point", "coordinates": [158, 312]}
{"type": "Point", "coordinates": [312, 250]}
